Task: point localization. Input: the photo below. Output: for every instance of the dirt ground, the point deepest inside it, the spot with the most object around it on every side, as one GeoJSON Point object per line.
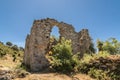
{"type": "Point", "coordinates": [55, 76]}
{"type": "Point", "coordinates": [8, 63]}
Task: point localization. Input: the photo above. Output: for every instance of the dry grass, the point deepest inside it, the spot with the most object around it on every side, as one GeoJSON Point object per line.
{"type": "Point", "coordinates": [7, 61]}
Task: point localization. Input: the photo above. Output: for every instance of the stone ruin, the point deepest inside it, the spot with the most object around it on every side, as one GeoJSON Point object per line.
{"type": "Point", "coordinates": [37, 42]}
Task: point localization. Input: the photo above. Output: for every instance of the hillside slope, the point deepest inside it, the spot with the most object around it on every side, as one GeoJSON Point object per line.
{"type": "Point", "coordinates": [98, 66]}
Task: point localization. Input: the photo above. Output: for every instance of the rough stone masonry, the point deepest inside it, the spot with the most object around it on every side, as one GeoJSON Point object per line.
{"type": "Point", "coordinates": [37, 42]}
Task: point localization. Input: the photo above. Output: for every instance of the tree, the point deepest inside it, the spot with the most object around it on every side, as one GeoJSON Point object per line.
{"type": "Point", "coordinates": [91, 48]}
{"type": "Point", "coordinates": [21, 48]}
{"type": "Point", "coordinates": [111, 45]}
{"type": "Point", "coordinates": [99, 45]}
{"type": "Point", "coordinates": [9, 44]}
{"type": "Point", "coordinates": [1, 42]}
{"type": "Point", "coordinates": [15, 47]}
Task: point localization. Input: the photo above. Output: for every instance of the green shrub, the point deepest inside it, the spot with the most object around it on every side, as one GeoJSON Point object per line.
{"type": "Point", "coordinates": [115, 76]}
{"type": "Point", "coordinates": [98, 74]}
{"type": "Point", "coordinates": [14, 57]}
{"type": "Point", "coordinates": [100, 66]}
{"type": "Point", "coordinates": [15, 47]}
{"type": "Point", "coordinates": [85, 63]}
{"type": "Point", "coordinates": [21, 48]}
{"type": "Point", "coordinates": [2, 53]}
{"type": "Point", "coordinates": [62, 58]}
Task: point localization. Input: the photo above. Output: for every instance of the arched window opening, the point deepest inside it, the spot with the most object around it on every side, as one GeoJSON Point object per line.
{"type": "Point", "coordinates": [54, 36]}
{"type": "Point", "coordinates": [55, 33]}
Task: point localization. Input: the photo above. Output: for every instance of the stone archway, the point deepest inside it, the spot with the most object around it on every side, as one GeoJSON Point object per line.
{"type": "Point", "coordinates": [38, 40]}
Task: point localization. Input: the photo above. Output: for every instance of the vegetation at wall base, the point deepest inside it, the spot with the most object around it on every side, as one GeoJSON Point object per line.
{"type": "Point", "coordinates": [61, 57]}
{"type": "Point", "coordinates": [101, 66]}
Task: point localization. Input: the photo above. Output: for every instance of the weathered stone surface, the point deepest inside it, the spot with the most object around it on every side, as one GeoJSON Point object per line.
{"type": "Point", "coordinates": [37, 42]}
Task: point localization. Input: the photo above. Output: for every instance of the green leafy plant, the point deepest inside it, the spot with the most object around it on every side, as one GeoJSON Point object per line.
{"type": "Point", "coordinates": [101, 66]}
{"type": "Point", "coordinates": [111, 45]}
{"type": "Point", "coordinates": [98, 74]}
{"type": "Point", "coordinates": [62, 58]}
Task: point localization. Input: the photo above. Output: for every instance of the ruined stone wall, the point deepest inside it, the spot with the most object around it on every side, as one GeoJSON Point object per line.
{"type": "Point", "coordinates": [37, 41]}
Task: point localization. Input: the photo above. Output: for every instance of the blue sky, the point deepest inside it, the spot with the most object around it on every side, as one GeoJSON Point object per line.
{"type": "Point", "coordinates": [101, 17]}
